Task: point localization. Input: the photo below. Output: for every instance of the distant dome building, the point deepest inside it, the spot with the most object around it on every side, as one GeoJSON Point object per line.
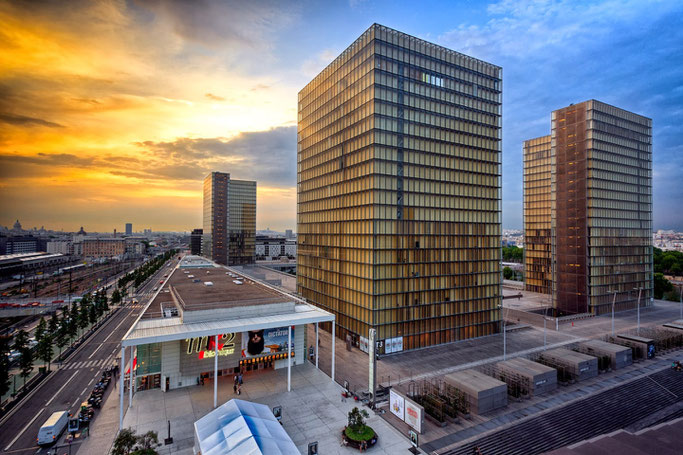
{"type": "Point", "coordinates": [81, 232]}
{"type": "Point", "coordinates": [17, 226]}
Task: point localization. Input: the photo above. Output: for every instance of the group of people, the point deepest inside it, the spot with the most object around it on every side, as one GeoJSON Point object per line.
{"type": "Point", "coordinates": [237, 385]}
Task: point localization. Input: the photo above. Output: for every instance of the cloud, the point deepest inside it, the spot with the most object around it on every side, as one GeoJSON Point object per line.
{"type": "Point", "coordinates": [213, 97]}
{"type": "Point", "coordinates": [268, 157]}
{"type": "Point", "coordinates": [554, 53]}
{"type": "Point", "coordinates": [27, 121]}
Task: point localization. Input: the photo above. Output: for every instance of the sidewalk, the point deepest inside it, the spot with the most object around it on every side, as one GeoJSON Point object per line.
{"type": "Point", "coordinates": [312, 411]}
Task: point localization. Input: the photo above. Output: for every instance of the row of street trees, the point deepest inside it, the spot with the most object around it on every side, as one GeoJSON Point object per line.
{"type": "Point", "coordinates": [139, 275]}
{"type": "Point", "coordinates": [57, 331]}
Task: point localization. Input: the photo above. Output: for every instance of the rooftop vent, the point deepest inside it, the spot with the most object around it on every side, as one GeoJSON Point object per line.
{"type": "Point", "coordinates": [237, 281]}
{"type": "Point", "coordinates": [208, 283]}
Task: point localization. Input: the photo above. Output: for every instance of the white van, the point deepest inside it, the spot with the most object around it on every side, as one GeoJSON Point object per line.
{"type": "Point", "coordinates": [52, 428]}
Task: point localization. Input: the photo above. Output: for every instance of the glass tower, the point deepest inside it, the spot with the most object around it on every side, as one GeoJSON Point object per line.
{"type": "Point", "coordinates": [241, 222]}
{"type": "Point", "coordinates": [229, 230]}
{"type": "Point", "coordinates": [602, 208]}
{"type": "Point", "coordinates": [399, 188]}
{"type": "Point", "coordinates": [537, 204]}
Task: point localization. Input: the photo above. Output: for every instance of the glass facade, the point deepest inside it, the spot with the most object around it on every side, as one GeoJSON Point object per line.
{"type": "Point", "coordinates": [602, 208]}
{"type": "Point", "coordinates": [399, 188]}
{"type": "Point", "coordinates": [229, 220]}
{"type": "Point", "coordinates": [242, 222]}
{"type": "Point", "coordinates": [537, 203]}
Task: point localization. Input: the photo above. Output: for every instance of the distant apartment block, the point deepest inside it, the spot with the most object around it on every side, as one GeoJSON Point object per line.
{"type": "Point", "coordinates": [274, 247]}
{"type": "Point", "coordinates": [537, 205]}
{"type": "Point", "coordinates": [601, 209]}
{"type": "Point", "coordinates": [229, 230]}
{"type": "Point", "coordinates": [399, 188]}
{"type": "Point", "coordinates": [103, 247]}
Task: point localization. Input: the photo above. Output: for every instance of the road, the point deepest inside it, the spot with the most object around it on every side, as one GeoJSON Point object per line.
{"type": "Point", "coordinates": [72, 382]}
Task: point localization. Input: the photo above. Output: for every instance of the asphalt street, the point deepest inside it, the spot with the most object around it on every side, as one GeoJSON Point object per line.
{"type": "Point", "coordinates": [71, 383]}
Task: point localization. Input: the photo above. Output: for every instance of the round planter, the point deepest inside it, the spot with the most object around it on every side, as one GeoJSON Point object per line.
{"type": "Point", "coordinates": [356, 444]}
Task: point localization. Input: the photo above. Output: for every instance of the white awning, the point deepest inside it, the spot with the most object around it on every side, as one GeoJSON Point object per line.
{"type": "Point", "coordinates": [244, 428]}
{"type": "Point", "coordinates": [147, 331]}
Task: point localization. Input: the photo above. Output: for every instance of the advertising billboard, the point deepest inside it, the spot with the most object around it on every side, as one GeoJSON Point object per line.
{"type": "Point", "coordinates": [413, 415]}
{"type": "Point", "coordinates": [396, 404]}
{"type": "Point", "coordinates": [259, 343]}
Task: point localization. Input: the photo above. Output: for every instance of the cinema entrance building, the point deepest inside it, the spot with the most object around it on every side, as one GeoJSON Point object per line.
{"type": "Point", "coordinates": [207, 321]}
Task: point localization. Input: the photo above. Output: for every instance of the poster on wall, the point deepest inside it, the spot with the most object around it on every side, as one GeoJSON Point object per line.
{"type": "Point", "coordinates": [393, 345]}
{"type": "Point", "coordinates": [396, 404]}
{"type": "Point", "coordinates": [363, 344]}
{"type": "Point", "coordinates": [413, 415]}
{"type": "Point", "coordinates": [258, 343]}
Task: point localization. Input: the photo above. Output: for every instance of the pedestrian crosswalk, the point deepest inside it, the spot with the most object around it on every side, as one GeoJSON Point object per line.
{"type": "Point", "coordinates": [106, 363]}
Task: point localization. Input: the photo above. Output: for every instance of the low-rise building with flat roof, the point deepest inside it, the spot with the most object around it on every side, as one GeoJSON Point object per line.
{"type": "Point", "coordinates": [208, 320]}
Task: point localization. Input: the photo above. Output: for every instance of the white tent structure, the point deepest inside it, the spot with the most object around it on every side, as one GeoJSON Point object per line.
{"type": "Point", "coordinates": [244, 428]}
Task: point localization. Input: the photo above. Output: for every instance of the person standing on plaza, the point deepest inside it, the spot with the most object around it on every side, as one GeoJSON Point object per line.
{"type": "Point", "coordinates": [239, 379]}
{"type": "Point", "coordinates": [239, 390]}
{"type": "Point", "coordinates": [234, 388]}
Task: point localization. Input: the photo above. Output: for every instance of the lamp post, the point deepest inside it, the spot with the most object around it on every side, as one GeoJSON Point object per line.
{"type": "Point", "coordinates": [640, 291]}
{"type": "Point", "coordinates": [502, 320]}
{"type": "Point", "coordinates": [545, 316]}
{"type": "Point", "coordinates": [614, 300]}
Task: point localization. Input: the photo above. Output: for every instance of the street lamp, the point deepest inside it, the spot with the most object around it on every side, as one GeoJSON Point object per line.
{"type": "Point", "coordinates": [614, 300]}
{"type": "Point", "coordinates": [502, 319]}
{"type": "Point", "coordinates": [640, 291]}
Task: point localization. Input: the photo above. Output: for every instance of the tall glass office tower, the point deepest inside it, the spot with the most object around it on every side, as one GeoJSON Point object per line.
{"type": "Point", "coordinates": [229, 234]}
{"type": "Point", "coordinates": [602, 208]}
{"type": "Point", "coordinates": [399, 192]}
{"type": "Point", "coordinates": [588, 209]}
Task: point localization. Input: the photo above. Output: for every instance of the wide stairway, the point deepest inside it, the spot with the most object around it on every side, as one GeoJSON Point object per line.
{"type": "Point", "coordinates": [596, 415]}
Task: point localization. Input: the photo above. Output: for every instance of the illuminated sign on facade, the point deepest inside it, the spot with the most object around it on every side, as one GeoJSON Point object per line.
{"type": "Point", "coordinates": [206, 346]}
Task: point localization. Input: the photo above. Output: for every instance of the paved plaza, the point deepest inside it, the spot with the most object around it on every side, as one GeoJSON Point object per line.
{"type": "Point", "coordinates": [312, 411]}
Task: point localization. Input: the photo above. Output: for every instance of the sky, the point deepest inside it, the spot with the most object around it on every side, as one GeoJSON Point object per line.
{"type": "Point", "coordinates": [114, 111]}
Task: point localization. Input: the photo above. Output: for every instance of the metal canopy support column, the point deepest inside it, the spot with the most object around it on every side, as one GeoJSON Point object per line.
{"type": "Point", "coordinates": [289, 358]}
{"type": "Point", "coordinates": [121, 388]}
{"type": "Point", "coordinates": [333, 336]}
{"type": "Point", "coordinates": [130, 382]}
{"type": "Point", "coordinates": [316, 344]}
{"type": "Point", "coordinates": [215, 373]}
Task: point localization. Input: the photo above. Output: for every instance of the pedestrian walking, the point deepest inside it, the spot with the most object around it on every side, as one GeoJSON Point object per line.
{"type": "Point", "coordinates": [239, 378]}
{"type": "Point", "coordinates": [239, 390]}
{"type": "Point", "coordinates": [234, 388]}
{"type": "Point", "coordinates": [236, 380]}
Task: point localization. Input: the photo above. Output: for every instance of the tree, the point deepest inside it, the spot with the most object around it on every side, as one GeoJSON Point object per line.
{"type": "Point", "coordinates": [44, 350]}
{"type": "Point", "coordinates": [357, 418]}
{"type": "Point", "coordinates": [41, 329]}
{"type": "Point", "coordinates": [83, 319]}
{"type": "Point", "coordinates": [72, 328]}
{"type": "Point", "coordinates": [62, 334]}
{"type": "Point", "coordinates": [662, 285]}
{"type": "Point", "coordinates": [26, 359]}
{"type": "Point", "coordinates": [507, 273]}
{"type": "Point", "coordinates": [53, 325]}
{"type": "Point", "coordinates": [115, 297]}
{"type": "Point", "coordinates": [147, 442]}
{"type": "Point", "coordinates": [4, 365]}
{"type": "Point", "coordinates": [124, 442]}
{"type": "Point", "coordinates": [92, 314]}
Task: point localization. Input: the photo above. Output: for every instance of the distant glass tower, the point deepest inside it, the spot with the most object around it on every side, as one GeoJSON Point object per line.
{"type": "Point", "coordinates": [399, 187]}
{"type": "Point", "coordinates": [601, 208]}
{"type": "Point", "coordinates": [229, 229]}
{"type": "Point", "coordinates": [537, 205]}
{"type": "Point", "coordinates": [129, 228]}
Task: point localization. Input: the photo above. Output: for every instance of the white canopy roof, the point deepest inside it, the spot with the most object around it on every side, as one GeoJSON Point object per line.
{"type": "Point", "coordinates": [244, 428]}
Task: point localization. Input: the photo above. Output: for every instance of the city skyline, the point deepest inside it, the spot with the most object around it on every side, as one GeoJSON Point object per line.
{"type": "Point", "coordinates": [123, 126]}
